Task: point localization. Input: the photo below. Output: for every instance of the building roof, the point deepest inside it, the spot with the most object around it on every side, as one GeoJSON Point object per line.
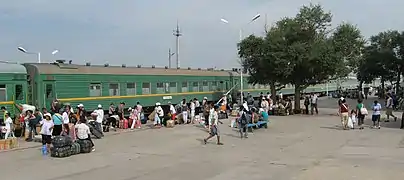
{"type": "Point", "coordinates": [12, 68]}
{"type": "Point", "coordinates": [59, 68]}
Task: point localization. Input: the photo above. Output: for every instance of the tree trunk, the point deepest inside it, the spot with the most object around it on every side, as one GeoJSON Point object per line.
{"type": "Point", "coordinates": [382, 91]}
{"type": "Point", "coordinates": [273, 91]}
{"type": "Point", "coordinates": [398, 82]}
{"type": "Point", "coordinates": [297, 99]}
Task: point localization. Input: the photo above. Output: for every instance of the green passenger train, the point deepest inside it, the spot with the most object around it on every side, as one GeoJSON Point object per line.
{"type": "Point", "coordinates": [40, 83]}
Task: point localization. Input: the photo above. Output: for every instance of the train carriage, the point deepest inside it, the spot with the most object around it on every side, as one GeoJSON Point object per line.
{"type": "Point", "coordinates": [13, 86]}
{"type": "Point", "coordinates": [93, 85]}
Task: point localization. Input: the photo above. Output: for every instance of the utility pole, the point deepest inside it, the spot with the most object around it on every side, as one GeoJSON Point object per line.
{"type": "Point", "coordinates": [170, 54]}
{"type": "Point", "coordinates": [177, 34]}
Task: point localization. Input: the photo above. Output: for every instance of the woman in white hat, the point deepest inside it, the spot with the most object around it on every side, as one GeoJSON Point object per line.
{"type": "Point", "coordinates": [100, 117]}
{"type": "Point", "coordinates": [46, 130]}
{"type": "Point", "coordinates": [159, 113]}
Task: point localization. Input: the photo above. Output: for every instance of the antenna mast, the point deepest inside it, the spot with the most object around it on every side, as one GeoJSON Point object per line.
{"type": "Point", "coordinates": [177, 34]}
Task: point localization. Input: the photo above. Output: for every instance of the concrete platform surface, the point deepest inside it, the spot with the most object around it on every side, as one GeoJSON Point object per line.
{"type": "Point", "coordinates": [300, 147]}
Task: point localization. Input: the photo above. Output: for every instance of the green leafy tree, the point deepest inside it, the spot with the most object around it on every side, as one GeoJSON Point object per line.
{"type": "Point", "coordinates": [383, 59]}
{"type": "Point", "coordinates": [262, 62]}
{"type": "Point", "coordinates": [302, 51]}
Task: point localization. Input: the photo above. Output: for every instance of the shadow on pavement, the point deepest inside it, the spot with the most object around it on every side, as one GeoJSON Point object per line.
{"type": "Point", "coordinates": [232, 135]}
{"type": "Point", "coordinates": [392, 124]}
{"type": "Point", "coordinates": [332, 127]}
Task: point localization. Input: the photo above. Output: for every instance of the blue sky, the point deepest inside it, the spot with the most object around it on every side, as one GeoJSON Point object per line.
{"type": "Point", "coordinates": [140, 31]}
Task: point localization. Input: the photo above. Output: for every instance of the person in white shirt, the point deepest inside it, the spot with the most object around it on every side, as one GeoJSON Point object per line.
{"type": "Point", "coordinates": [159, 114]}
{"type": "Point", "coordinates": [8, 121]}
{"type": "Point", "coordinates": [313, 103]}
{"type": "Point", "coordinates": [100, 117]}
{"type": "Point", "coordinates": [377, 107]}
{"type": "Point", "coordinates": [389, 108]}
{"type": "Point", "coordinates": [83, 132]}
{"type": "Point", "coordinates": [139, 111]}
{"type": "Point", "coordinates": [192, 107]}
{"type": "Point", "coordinates": [66, 120]}
{"type": "Point", "coordinates": [197, 106]}
{"type": "Point", "coordinates": [214, 130]}
{"type": "Point", "coordinates": [173, 112]}
{"type": "Point", "coordinates": [46, 130]}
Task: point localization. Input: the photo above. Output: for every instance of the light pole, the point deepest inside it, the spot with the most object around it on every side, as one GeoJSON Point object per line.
{"type": "Point", "coordinates": [241, 38]}
{"type": "Point", "coordinates": [27, 52]}
{"type": "Point", "coordinates": [170, 55]}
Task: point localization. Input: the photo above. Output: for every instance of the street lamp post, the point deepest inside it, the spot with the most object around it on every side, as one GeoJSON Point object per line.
{"type": "Point", "coordinates": [170, 55]}
{"type": "Point", "coordinates": [27, 52]}
{"type": "Point", "coordinates": [38, 53]}
{"type": "Point", "coordinates": [241, 38]}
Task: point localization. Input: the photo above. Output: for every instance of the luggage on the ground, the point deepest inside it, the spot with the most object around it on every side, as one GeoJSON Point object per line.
{"type": "Point", "coordinates": [97, 133]}
{"type": "Point", "coordinates": [75, 148]}
{"type": "Point", "coordinates": [61, 152]}
{"type": "Point", "coordinates": [222, 115]}
{"type": "Point", "coordinates": [61, 141]}
{"type": "Point", "coordinates": [170, 123]}
{"type": "Point", "coordinates": [125, 124]}
{"type": "Point", "coordinates": [85, 146]}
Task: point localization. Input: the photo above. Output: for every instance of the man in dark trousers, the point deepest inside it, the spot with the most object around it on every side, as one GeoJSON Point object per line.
{"type": "Point", "coordinates": [402, 121]}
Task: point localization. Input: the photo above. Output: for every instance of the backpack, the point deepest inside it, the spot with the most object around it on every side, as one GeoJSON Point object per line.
{"type": "Point", "coordinates": [243, 119]}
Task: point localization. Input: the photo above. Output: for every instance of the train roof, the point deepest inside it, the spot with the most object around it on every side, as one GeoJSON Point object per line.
{"type": "Point", "coordinates": [61, 68]}
{"type": "Point", "coordinates": [12, 68]}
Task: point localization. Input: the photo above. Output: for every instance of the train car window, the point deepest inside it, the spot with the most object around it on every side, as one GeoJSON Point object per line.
{"type": "Point", "coordinates": [256, 86]}
{"type": "Point", "coordinates": [19, 95]}
{"type": "Point", "coordinates": [95, 89]}
{"type": "Point", "coordinates": [184, 87]}
{"type": "Point", "coordinates": [214, 86]}
{"type": "Point", "coordinates": [195, 87]}
{"type": "Point", "coordinates": [114, 89]}
{"type": "Point", "coordinates": [3, 92]}
{"type": "Point", "coordinates": [250, 86]}
{"type": "Point", "coordinates": [172, 87]}
{"type": "Point", "coordinates": [131, 89]}
{"type": "Point", "coordinates": [145, 88]}
{"type": "Point", "coordinates": [49, 91]}
{"type": "Point", "coordinates": [160, 88]}
{"type": "Point", "coordinates": [205, 86]}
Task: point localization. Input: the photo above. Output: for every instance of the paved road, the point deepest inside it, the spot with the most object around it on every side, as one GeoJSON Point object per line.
{"type": "Point", "coordinates": [292, 148]}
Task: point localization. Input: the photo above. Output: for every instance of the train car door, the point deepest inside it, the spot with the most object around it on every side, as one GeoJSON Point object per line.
{"type": "Point", "coordinates": [50, 94]}
{"type": "Point", "coordinates": [20, 93]}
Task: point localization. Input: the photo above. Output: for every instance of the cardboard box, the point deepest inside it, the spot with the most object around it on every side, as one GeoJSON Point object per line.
{"type": "Point", "coordinates": [7, 144]}
{"type": "Point", "coordinates": [170, 123]}
{"type": "Point", "coordinates": [2, 143]}
{"type": "Point", "coordinates": [14, 143]}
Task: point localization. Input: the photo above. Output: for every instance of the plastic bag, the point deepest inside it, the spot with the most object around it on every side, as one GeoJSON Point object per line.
{"type": "Point", "coordinates": [353, 119]}
{"type": "Point", "coordinates": [364, 111]}
{"type": "Point", "coordinates": [350, 123]}
{"type": "Point", "coordinates": [26, 107]}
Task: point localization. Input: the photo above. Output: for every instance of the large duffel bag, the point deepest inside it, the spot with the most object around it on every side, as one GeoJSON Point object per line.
{"type": "Point", "coordinates": [85, 146]}
{"type": "Point", "coordinates": [61, 152]}
{"type": "Point", "coordinates": [96, 132]}
{"type": "Point", "coordinates": [75, 148]}
{"type": "Point", "coordinates": [61, 141]}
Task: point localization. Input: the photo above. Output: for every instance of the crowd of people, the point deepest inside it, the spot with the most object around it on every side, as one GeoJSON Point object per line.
{"type": "Point", "coordinates": [350, 117]}
{"type": "Point", "coordinates": [58, 121]}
